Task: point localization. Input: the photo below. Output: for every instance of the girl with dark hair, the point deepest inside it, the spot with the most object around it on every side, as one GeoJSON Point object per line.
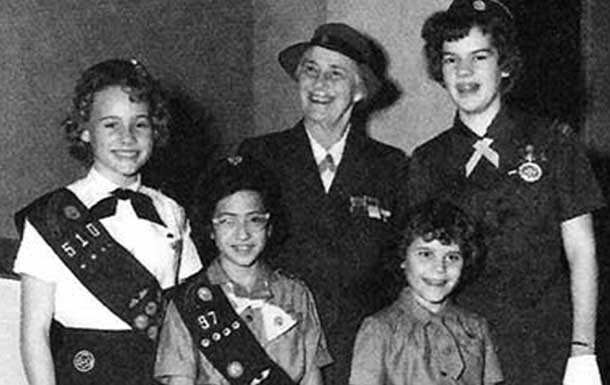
{"type": "Point", "coordinates": [241, 321]}
{"type": "Point", "coordinates": [527, 179]}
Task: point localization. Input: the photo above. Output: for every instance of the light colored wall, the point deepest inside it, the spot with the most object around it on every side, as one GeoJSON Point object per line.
{"type": "Point", "coordinates": [422, 111]}
{"type": "Point", "coordinates": [278, 24]}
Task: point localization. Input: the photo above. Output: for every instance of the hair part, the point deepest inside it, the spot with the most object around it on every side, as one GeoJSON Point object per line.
{"type": "Point", "coordinates": [443, 27]}
{"type": "Point", "coordinates": [134, 80]}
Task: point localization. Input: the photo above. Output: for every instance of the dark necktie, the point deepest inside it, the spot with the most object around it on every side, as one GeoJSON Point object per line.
{"type": "Point", "coordinates": [327, 163]}
{"type": "Point", "coordinates": [142, 205]}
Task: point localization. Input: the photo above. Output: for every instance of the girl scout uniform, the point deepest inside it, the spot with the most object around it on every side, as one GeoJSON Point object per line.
{"type": "Point", "coordinates": [92, 343]}
{"type": "Point", "coordinates": [284, 336]}
{"type": "Point", "coordinates": [522, 180]}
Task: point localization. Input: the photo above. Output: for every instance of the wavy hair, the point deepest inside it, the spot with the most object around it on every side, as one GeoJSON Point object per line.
{"type": "Point", "coordinates": [443, 27]}
{"type": "Point", "coordinates": [135, 80]}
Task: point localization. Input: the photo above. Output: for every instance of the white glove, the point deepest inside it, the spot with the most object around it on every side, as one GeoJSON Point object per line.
{"type": "Point", "coordinates": [582, 370]}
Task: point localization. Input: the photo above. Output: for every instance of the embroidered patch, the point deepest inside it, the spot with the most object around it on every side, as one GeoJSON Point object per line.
{"type": "Point", "coordinates": [83, 361]}
{"type": "Point", "coordinates": [71, 212]}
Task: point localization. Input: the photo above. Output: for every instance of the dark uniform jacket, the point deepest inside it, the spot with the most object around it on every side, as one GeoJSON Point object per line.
{"type": "Point", "coordinates": [335, 244]}
{"type": "Point", "coordinates": [544, 178]}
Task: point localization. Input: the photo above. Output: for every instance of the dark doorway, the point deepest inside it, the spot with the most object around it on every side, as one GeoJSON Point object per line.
{"type": "Point", "coordinates": [551, 82]}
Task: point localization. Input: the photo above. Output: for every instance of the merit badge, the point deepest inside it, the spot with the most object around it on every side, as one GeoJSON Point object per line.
{"type": "Point", "coordinates": [83, 361]}
{"type": "Point", "coordinates": [368, 206]}
{"type": "Point", "coordinates": [150, 308]}
{"type": "Point", "coordinates": [235, 369]}
{"type": "Point", "coordinates": [141, 322]}
{"type": "Point", "coordinates": [71, 212]}
{"type": "Point", "coordinates": [204, 294]}
{"type": "Point", "coordinates": [529, 170]}
{"type": "Point", "coordinates": [479, 5]}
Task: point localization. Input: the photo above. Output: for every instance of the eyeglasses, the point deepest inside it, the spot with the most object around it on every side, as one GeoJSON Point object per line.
{"type": "Point", "coordinates": [252, 222]}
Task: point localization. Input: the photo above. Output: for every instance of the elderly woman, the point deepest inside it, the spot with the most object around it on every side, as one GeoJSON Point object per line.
{"type": "Point", "coordinates": [340, 189]}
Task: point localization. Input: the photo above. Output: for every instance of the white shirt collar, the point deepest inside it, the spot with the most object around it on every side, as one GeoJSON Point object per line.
{"type": "Point", "coordinates": [336, 150]}
{"type": "Point", "coordinates": [96, 187]}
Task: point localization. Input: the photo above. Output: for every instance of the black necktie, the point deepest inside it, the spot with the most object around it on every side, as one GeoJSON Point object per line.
{"type": "Point", "coordinates": [142, 205]}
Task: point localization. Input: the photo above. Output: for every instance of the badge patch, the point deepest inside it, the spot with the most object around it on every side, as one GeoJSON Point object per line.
{"type": "Point", "coordinates": [479, 5]}
{"type": "Point", "coordinates": [235, 369]}
{"type": "Point", "coordinates": [530, 172]}
{"type": "Point", "coordinates": [529, 169]}
{"type": "Point", "coordinates": [83, 361]}
{"type": "Point", "coordinates": [71, 212]}
{"type": "Point", "coordinates": [204, 294]}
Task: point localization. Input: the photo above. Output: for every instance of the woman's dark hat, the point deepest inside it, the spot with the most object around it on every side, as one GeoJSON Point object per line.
{"type": "Point", "coordinates": [469, 8]}
{"type": "Point", "coordinates": [340, 38]}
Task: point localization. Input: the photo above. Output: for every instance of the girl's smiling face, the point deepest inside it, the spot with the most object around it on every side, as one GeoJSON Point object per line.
{"type": "Point", "coordinates": [433, 271]}
{"type": "Point", "coordinates": [472, 73]}
{"type": "Point", "coordinates": [120, 134]}
{"type": "Point", "coordinates": [240, 229]}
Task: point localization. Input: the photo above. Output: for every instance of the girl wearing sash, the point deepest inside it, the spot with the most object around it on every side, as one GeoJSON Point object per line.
{"type": "Point", "coordinates": [96, 255]}
{"type": "Point", "coordinates": [241, 322]}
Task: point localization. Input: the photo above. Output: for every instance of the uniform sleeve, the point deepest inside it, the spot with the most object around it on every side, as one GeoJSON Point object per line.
{"type": "Point", "coordinates": [368, 367]}
{"type": "Point", "coordinates": [317, 354]}
{"type": "Point", "coordinates": [35, 257]}
{"type": "Point", "coordinates": [576, 185]}
{"type": "Point", "coordinates": [492, 373]}
{"type": "Point", "coordinates": [176, 355]}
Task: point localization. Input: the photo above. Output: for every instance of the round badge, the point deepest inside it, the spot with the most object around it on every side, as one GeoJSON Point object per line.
{"type": "Point", "coordinates": [141, 322]}
{"type": "Point", "coordinates": [479, 5]}
{"type": "Point", "coordinates": [205, 343]}
{"type": "Point", "coordinates": [150, 308]}
{"type": "Point", "coordinates": [235, 325]}
{"type": "Point", "coordinates": [226, 332]}
{"type": "Point", "coordinates": [530, 172]}
{"type": "Point", "coordinates": [204, 294]}
{"type": "Point", "coordinates": [216, 336]}
{"type": "Point", "coordinates": [152, 332]}
{"type": "Point", "coordinates": [71, 212]}
{"type": "Point", "coordinates": [235, 369]}
{"type": "Point", "coordinates": [83, 361]}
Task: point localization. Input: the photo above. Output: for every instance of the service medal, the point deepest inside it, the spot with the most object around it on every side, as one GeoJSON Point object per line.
{"type": "Point", "coordinates": [83, 361]}
{"type": "Point", "coordinates": [530, 171]}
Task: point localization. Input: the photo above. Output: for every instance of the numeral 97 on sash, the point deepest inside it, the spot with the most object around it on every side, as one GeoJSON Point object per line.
{"type": "Point", "coordinates": [207, 320]}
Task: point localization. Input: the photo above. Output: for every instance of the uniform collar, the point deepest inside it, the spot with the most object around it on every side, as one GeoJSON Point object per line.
{"type": "Point", "coordinates": [336, 150]}
{"type": "Point", "coordinates": [501, 129]}
{"type": "Point", "coordinates": [261, 289]}
{"type": "Point", "coordinates": [98, 187]}
{"type": "Point", "coordinates": [422, 315]}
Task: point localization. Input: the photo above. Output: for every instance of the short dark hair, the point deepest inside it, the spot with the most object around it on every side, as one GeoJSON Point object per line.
{"type": "Point", "coordinates": [135, 80]}
{"type": "Point", "coordinates": [441, 220]}
{"type": "Point", "coordinates": [224, 178]}
{"type": "Point", "coordinates": [446, 26]}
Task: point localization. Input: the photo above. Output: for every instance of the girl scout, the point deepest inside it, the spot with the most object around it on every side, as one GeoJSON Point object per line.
{"type": "Point", "coordinates": [96, 255]}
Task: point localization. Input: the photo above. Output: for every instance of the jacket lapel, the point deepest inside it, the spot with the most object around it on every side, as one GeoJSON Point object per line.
{"type": "Point", "coordinates": [352, 171]}
{"type": "Point", "coordinates": [302, 164]}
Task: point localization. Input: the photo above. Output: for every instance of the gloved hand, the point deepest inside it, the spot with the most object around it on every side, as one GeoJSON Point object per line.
{"type": "Point", "coordinates": [582, 370]}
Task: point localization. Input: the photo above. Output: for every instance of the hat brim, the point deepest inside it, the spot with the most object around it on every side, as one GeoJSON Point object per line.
{"type": "Point", "coordinates": [290, 58]}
